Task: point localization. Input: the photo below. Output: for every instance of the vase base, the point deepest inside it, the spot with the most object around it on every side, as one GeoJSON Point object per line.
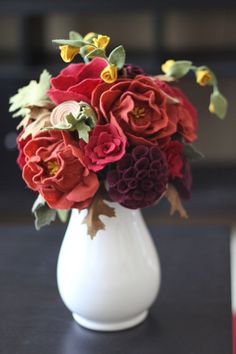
{"type": "Point", "coordinates": [109, 327]}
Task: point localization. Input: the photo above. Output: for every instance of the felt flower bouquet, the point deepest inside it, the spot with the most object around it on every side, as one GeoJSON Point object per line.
{"type": "Point", "coordinates": [104, 130]}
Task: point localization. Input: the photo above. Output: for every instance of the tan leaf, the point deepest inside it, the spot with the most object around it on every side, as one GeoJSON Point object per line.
{"type": "Point", "coordinates": [97, 208]}
{"type": "Point", "coordinates": [175, 203]}
{"type": "Point", "coordinates": [33, 112]}
{"type": "Point", "coordinates": [164, 78]}
{"type": "Point", "coordinates": [35, 127]}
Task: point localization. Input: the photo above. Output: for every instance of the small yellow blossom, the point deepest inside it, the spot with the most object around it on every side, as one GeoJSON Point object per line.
{"type": "Point", "coordinates": [203, 77]}
{"type": "Point", "coordinates": [101, 42]}
{"type": "Point", "coordinates": [212, 108]}
{"type": "Point", "coordinates": [68, 52]}
{"type": "Point", "coordinates": [166, 66]}
{"type": "Point", "coordinates": [109, 74]}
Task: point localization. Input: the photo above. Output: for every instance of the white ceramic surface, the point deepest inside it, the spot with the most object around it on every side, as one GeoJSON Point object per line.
{"type": "Point", "coordinates": [110, 282]}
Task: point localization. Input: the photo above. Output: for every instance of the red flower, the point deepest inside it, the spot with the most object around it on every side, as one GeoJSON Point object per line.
{"type": "Point", "coordinates": [76, 82]}
{"type": "Point", "coordinates": [139, 107]}
{"type": "Point", "coordinates": [174, 156]}
{"type": "Point", "coordinates": [20, 145]}
{"type": "Point", "coordinates": [185, 112]}
{"type": "Point", "coordinates": [184, 184]}
{"type": "Point", "coordinates": [106, 145]}
{"type": "Point", "coordinates": [55, 168]}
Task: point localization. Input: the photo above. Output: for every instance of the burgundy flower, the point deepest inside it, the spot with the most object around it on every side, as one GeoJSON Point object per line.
{"type": "Point", "coordinates": [139, 179]}
{"type": "Point", "coordinates": [174, 156]}
{"type": "Point", "coordinates": [106, 145]}
{"type": "Point", "coordinates": [131, 71]}
{"type": "Point", "coordinates": [184, 184]}
{"type": "Point", "coordinates": [76, 82]}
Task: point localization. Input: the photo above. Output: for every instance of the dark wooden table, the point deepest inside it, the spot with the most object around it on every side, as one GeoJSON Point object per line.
{"type": "Point", "coordinates": [192, 314]}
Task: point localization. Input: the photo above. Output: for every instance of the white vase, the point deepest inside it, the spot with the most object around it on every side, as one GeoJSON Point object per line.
{"type": "Point", "coordinates": [110, 282]}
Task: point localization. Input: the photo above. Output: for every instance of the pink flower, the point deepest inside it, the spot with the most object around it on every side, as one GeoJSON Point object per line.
{"type": "Point", "coordinates": [76, 82]}
{"type": "Point", "coordinates": [106, 145]}
{"type": "Point", "coordinates": [54, 167]}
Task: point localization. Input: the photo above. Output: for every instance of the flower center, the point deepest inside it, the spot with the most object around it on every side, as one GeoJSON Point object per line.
{"type": "Point", "coordinates": [138, 112]}
{"type": "Point", "coordinates": [53, 167]}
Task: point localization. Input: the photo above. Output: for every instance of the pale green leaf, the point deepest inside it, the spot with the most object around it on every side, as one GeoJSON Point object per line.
{"type": "Point", "coordinates": [73, 35]}
{"type": "Point", "coordinates": [72, 42]}
{"type": "Point", "coordinates": [63, 214]}
{"type": "Point", "coordinates": [32, 94]}
{"type": "Point", "coordinates": [96, 53]}
{"type": "Point", "coordinates": [43, 214]}
{"type": "Point", "coordinates": [117, 57]}
{"type": "Point", "coordinates": [218, 104]}
{"type": "Point", "coordinates": [179, 69]}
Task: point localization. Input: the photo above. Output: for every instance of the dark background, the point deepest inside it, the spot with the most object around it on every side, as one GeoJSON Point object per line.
{"type": "Point", "coordinates": [151, 32]}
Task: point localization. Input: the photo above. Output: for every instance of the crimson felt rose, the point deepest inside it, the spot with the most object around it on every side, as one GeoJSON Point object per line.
{"type": "Point", "coordinates": [139, 106]}
{"type": "Point", "coordinates": [76, 82]}
{"type": "Point", "coordinates": [106, 145]}
{"type": "Point", "coordinates": [184, 111]}
{"type": "Point", "coordinates": [54, 167]}
{"type": "Point", "coordinates": [174, 156]}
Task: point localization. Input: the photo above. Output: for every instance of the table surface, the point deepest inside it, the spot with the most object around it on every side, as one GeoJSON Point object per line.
{"type": "Point", "coordinates": [192, 314]}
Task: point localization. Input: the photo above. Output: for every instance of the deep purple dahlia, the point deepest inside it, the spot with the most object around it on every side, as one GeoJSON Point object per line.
{"type": "Point", "coordinates": [139, 179]}
{"type": "Point", "coordinates": [131, 71]}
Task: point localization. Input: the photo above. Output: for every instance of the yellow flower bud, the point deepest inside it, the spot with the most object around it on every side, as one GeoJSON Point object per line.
{"type": "Point", "coordinates": [166, 66]}
{"type": "Point", "coordinates": [68, 53]}
{"type": "Point", "coordinates": [109, 74]}
{"type": "Point", "coordinates": [212, 108]}
{"type": "Point", "coordinates": [203, 77]}
{"type": "Point", "coordinates": [101, 42]}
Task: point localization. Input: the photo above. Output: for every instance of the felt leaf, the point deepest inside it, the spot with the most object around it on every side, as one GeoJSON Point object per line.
{"type": "Point", "coordinates": [179, 69]}
{"type": "Point", "coordinates": [63, 214]}
{"type": "Point", "coordinates": [164, 78]}
{"type": "Point", "coordinates": [71, 42]}
{"type": "Point", "coordinates": [73, 35]}
{"type": "Point", "coordinates": [117, 57]}
{"type": "Point", "coordinates": [191, 153]}
{"type": "Point", "coordinates": [218, 104]}
{"type": "Point", "coordinates": [31, 94]}
{"type": "Point", "coordinates": [43, 214]}
{"type": "Point", "coordinates": [175, 203]}
{"type": "Point", "coordinates": [92, 220]}
{"type": "Point", "coordinates": [96, 53]}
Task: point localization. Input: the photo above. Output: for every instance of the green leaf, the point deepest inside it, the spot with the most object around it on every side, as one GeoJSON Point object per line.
{"type": "Point", "coordinates": [96, 53]}
{"type": "Point", "coordinates": [32, 94]}
{"type": "Point", "coordinates": [179, 69]}
{"type": "Point", "coordinates": [218, 104]}
{"type": "Point", "coordinates": [72, 42]}
{"type": "Point", "coordinates": [73, 35]}
{"type": "Point", "coordinates": [83, 131]}
{"type": "Point", "coordinates": [191, 153]}
{"type": "Point", "coordinates": [63, 214]}
{"type": "Point", "coordinates": [43, 214]}
{"type": "Point", "coordinates": [117, 57]}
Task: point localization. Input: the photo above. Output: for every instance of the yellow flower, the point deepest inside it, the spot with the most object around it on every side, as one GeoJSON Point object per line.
{"type": "Point", "coordinates": [109, 74]}
{"type": "Point", "coordinates": [203, 77]}
{"type": "Point", "coordinates": [68, 52]}
{"type": "Point", "coordinates": [101, 42]}
{"type": "Point", "coordinates": [166, 66]}
{"type": "Point", "coordinates": [212, 108]}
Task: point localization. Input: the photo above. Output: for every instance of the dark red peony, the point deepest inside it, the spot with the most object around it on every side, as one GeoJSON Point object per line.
{"type": "Point", "coordinates": [184, 111]}
{"type": "Point", "coordinates": [174, 156]}
{"type": "Point", "coordinates": [76, 82]}
{"type": "Point", "coordinates": [20, 145]}
{"type": "Point", "coordinates": [139, 179]}
{"type": "Point", "coordinates": [139, 106]}
{"type": "Point", "coordinates": [55, 168]}
{"type": "Point", "coordinates": [106, 145]}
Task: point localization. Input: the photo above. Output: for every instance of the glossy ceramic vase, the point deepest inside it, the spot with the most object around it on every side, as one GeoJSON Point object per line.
{"type": "Point", "coordinates": [110, 282]}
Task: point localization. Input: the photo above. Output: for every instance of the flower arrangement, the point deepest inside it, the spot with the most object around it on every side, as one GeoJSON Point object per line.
{"type": "Point", "coordinates": [104, 130]}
